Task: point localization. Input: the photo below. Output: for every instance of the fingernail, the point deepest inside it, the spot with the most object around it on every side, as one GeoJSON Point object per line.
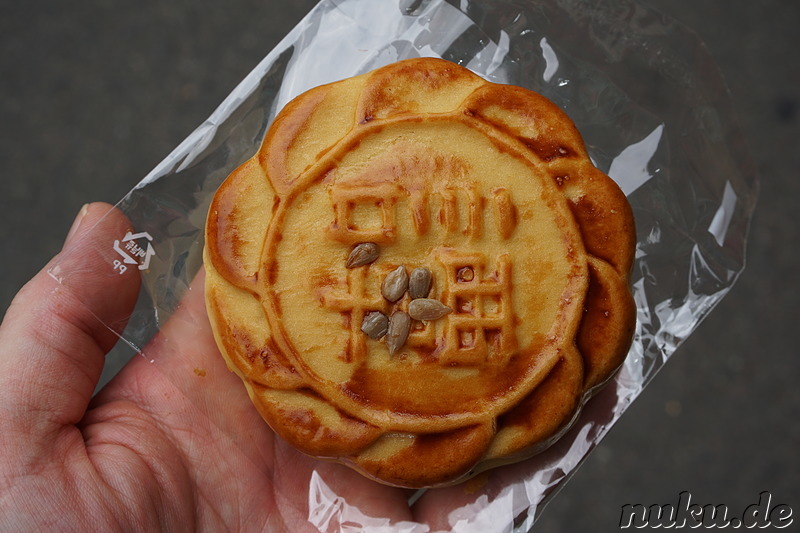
{"type": "Point", "coordinates": [76, 223]}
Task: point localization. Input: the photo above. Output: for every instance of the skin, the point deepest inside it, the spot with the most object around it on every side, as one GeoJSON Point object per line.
{"type": "Point", "coordinates": [172, 443]}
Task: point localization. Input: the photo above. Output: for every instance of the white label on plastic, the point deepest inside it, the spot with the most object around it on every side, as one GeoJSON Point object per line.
{"type": "Point", "coordinates": [134, 249]}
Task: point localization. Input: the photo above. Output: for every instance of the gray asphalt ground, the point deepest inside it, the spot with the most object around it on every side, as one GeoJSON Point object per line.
{"type": "Point", "coordinates": [94, 93]}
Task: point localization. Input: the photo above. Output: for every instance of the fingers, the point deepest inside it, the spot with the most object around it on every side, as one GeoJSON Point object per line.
{"type": "Point", "coordinates": [182, 380]}
{"type": "Point", "coordinates": [54, 335]}
{"type": "Point", "coordinates": [515, 492]}
{"type": "Point", "coordinates": [332, 496]}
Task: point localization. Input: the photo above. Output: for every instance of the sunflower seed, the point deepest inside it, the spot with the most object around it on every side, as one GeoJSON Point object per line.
{"type": "Point", "coordinates": [419, 283]}
{"type": "Point", "coordinates": [399, 327]}
{"type": "Point", "coordinates": [363, 254]}
{"type": "Point", "coordinates": [395, 285]}
{"type": "Point", "coordinates": [427, 309]}
{"type": "Point", "coordinates": [375, 325]}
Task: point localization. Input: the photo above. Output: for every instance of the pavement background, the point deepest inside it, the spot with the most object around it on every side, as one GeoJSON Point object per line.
{"type": "Point", "coordinates": [94, 93]}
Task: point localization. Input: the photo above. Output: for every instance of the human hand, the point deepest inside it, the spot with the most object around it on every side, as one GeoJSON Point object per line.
{"type": "Point", "coordinates": [173, 442]}
{"type": "Point", "coordinates": [161, 447]}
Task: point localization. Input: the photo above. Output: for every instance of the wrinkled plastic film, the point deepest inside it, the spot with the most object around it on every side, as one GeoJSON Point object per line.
{"type": "Point", "coordinates": [653, 112]}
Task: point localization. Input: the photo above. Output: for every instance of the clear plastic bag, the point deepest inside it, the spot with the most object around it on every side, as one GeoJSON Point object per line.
{"type": "Point", "coordinates": [654, 113]}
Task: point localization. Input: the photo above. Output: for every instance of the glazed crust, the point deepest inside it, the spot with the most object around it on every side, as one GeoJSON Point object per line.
{"type": "Point", "coordinates": [455, 173]}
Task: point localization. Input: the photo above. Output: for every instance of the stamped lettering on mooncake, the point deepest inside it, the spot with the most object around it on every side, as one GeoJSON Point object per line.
{"type": "Point", "coordinates": [482, 324]}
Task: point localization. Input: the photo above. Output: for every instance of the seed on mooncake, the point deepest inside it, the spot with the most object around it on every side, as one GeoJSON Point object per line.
{"type": "Point", "coordinates": [363, 254]}
{"type": "Point", "coordinates": [419, 283]}
{"type": "Point", "coordinates": [375, 325]}
{"type": "Point", "coordinates": [427, 309]}
{"type": "Point", "coordinates": [395, 284]}
{"type": "Point", "coordinates": [399, 327]}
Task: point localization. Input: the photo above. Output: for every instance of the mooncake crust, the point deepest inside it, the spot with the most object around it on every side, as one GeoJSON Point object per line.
{"type": "Point", "coordinates": [490, 188]}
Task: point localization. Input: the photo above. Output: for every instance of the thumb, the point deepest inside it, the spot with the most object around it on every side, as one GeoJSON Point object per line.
{"type": "Point", "coordinates": [60, 325]}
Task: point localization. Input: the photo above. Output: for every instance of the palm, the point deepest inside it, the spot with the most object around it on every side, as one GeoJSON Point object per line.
{"type": "Point", "coordinates": [185, 408]}
{"type": "Point", "coordinates": [172, 443]}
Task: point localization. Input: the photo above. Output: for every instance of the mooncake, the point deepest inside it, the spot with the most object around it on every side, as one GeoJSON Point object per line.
{"type": "Point", "coordinates": [420, 274]}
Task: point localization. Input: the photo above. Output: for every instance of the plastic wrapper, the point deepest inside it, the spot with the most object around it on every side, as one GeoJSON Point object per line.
{"type": "Point", "coordinates": [654, 114]}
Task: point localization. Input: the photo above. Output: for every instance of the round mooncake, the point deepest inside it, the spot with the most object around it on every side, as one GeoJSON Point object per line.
{"type": "Point", "coordinates": [420, 273]}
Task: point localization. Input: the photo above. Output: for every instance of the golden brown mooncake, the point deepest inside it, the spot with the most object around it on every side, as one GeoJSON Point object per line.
{"type": "Point", "coordinates": [489, 188]}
